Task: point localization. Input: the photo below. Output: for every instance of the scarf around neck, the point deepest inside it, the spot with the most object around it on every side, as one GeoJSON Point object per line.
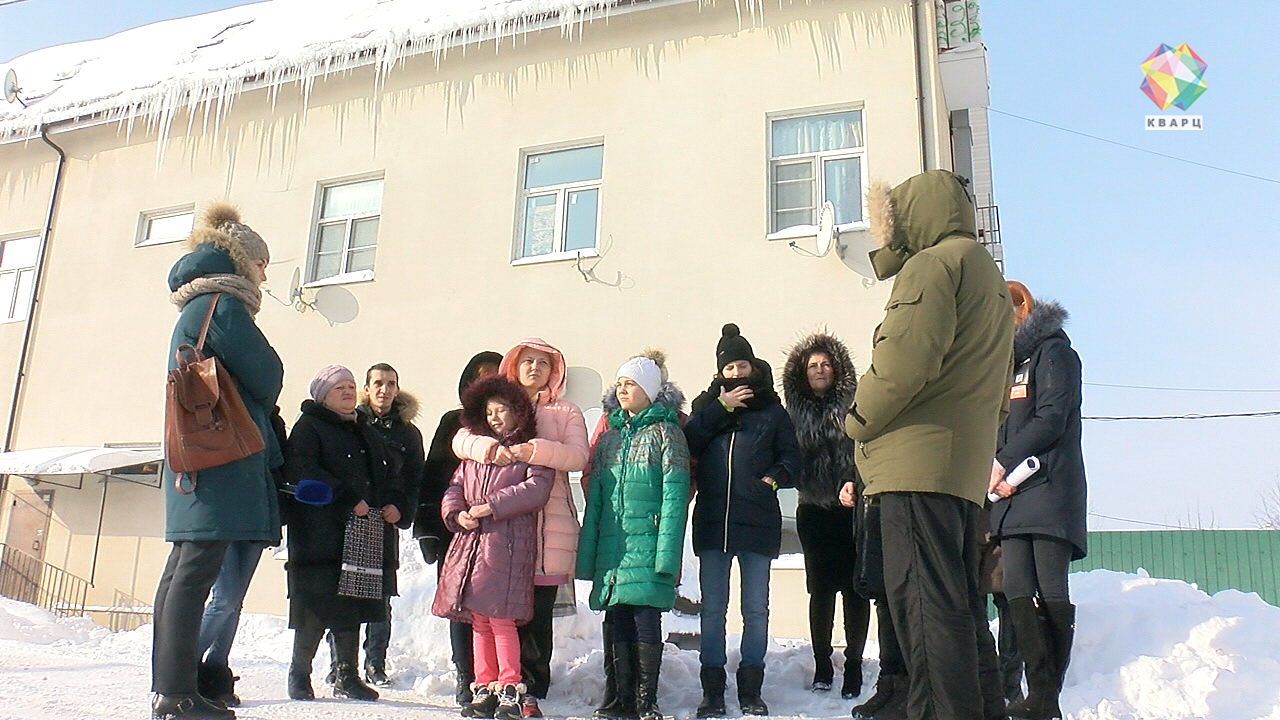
{"type": "Point", "coordinates": [249, 294]}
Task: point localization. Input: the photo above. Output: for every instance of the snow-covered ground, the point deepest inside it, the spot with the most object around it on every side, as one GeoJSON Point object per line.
{"type": "Point", "coordinates": [1145, 649]}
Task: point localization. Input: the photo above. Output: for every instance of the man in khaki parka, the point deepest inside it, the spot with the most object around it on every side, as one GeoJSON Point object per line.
{"type": "Point", "coordinates": [925, 417]}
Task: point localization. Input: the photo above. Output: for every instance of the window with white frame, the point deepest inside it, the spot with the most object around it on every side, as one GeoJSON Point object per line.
{"type": "Point", "coordinates": [17, 275]}
{"type": "Point", "coordinates": [560, 201]}
{"type": "Point", "coordinates": [346, 235]}
{"type": "Point", "coordinates": [156, 227]}
{"type": "Point", "coordinates": [813, 159]}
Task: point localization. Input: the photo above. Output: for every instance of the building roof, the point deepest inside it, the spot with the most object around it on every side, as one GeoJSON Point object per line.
{"type": "Point", "coordinates": [154, 71]}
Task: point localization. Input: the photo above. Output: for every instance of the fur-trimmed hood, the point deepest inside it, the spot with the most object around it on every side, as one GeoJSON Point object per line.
{"type": "Point", "coordinates": [405, 406]}
{"type": "Point", "coordinates": [1043, 322]}
{"type": "Point", "coordinates": [559, 370]}
{"type": "Point", "coordinates": [209, 231]}
{"type": "Point", "coordinates": [915, 216]}
{"type": "Point", "coordinates": [826, 453]}
{"type": "Point", "coordinates": [476, 397]}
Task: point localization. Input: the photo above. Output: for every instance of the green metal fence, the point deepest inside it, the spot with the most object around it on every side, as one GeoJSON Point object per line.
{"type": "Point", "coordinates": [1214, 560]}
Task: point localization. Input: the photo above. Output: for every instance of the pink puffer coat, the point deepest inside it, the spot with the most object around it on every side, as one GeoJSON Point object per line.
{"type": "Point", "coordinates": [561, 444]}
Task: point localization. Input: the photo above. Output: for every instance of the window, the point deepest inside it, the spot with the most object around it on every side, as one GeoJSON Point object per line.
{"type": "Point", "coordinates": [347, 231]}
{"type": "Point", "coordinates": [156, 227]}
{"type": "Point", "coordinates": [561, 202]}
{"type": "Point", "coordinates": [17, 275]}
{"type": "Point", "coordinates": [813, 159]}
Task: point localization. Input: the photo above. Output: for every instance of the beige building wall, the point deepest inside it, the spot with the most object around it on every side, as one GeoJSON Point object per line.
{"type": "Point", "coordinates": [680, 96]}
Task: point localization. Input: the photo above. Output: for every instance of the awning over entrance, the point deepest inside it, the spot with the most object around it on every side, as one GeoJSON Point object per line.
{"type": "Point", "coordinates": [54, 464]}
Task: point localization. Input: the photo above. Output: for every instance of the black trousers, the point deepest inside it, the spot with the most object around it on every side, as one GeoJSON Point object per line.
{"type": "Point", "coordinates": [891, 662]}
{"type": "Point", "coordinates": [184, 587]}
{"type": "Point", "coordinates": [931, 579]}
{"type": "Point", "coordinates": [1035, 565]}
{"type": "Point", "coordinates": [536, 642]}
{"type": "Point", "coordinates": [635, 623]}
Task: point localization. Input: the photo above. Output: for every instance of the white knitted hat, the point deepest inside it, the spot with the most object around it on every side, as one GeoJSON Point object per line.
{"type": "Point", "coordinates": [645, 373]}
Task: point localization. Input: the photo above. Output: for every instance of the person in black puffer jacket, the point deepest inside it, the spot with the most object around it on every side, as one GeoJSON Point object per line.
{"type": "Point", "coordinates": [746, 449]}
{"type": "Point", "coordinates": [818, 383]}
{"type": "Point", "coordinates": [1040, 524]}
{"type": "Point", "coordinates": [332, 444]}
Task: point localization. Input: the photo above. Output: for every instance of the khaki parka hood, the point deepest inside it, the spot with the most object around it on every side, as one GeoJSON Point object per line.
{"type": "Point", "coordinates": [915, 216]}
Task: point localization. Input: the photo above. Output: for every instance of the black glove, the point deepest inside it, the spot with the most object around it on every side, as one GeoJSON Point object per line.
{"type": "Point", "coordinates": [430, 546]}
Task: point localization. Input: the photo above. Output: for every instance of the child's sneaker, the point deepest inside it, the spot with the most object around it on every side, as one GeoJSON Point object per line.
{"type": "Point", "coordinates": [529, 706]}
{"type": "Point", "coordinates": [509, 705]}
{"type": "Point", "coordinates": [484, 702]}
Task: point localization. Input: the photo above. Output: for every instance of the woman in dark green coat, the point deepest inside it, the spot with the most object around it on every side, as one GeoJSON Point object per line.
{"type": "Point", "coordinates": [229, 503]}
{"type": "Point", "coordinates": [633, 532]}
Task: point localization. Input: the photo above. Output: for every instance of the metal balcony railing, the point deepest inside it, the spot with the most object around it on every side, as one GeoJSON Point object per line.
{"type": "Point", "coordinates": [989, 232]}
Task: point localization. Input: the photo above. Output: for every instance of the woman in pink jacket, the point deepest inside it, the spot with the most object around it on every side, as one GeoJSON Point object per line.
{"type": "Point", "coordinates": [560, 444]}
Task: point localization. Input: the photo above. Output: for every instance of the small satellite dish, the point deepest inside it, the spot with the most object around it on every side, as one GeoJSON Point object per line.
{"type": "Point", "coordinates": [336, 304]}
{"type": "Point", "coordinates": [854, 249]}
{"type": "Point", "coordinates": [826, 229]}
{"type": "Point", "coordinates": [11, 87]}
{"type": "Point", "coordinates": [295, 285]}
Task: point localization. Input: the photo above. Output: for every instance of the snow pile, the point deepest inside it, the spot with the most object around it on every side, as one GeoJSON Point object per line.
{"type": "Point", "coordinates": [202, 63]}
{"type": "Point", "coordinates": [1146, 649]}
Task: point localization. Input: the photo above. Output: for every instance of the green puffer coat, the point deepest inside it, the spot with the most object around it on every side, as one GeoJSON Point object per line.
{"type": "Point", "coordinates": [637, 507]}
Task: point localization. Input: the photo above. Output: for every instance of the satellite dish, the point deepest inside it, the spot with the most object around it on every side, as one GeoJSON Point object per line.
{"type": "Point", "coordinates": [11, 88]}
{"type": "Point", "coordinates": [854, 249]}
{"type": "Point", "coordinates": [295, 285]}
{"type": "Point", "coordinates": [826, 229]}
{"type": "Point", "coordinates": [336, 304]}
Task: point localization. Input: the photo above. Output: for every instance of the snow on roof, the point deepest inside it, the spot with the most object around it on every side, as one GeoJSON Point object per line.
{"type": "Point", "coordinates": [156, 70]}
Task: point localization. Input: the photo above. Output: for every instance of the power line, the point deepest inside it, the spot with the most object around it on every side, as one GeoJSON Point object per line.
{"type": "Point", "coordinates": [1134, 147]}
{"type": "Point", "coordinates": [1189, 416]}
{"type": "Point", "coordinates": [1182, 389]}
{"type": "Point", "coordinates": [1139, 522]}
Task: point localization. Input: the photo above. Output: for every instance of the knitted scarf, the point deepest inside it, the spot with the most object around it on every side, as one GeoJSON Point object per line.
{"type": "Point", "coordinates": [246, 292]}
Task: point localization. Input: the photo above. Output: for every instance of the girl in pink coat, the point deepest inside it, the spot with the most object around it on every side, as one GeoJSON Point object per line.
{"type": "Point", "coordinates": [487, 575]}
{"type": "Point", "coordinates": [560, 444]}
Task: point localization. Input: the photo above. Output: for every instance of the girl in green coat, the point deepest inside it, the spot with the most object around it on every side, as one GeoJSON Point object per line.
{"type": "Point", "coordinates": [633, 532]}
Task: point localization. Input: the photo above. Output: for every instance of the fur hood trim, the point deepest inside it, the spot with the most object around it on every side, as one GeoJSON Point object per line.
{"type": "Point", "coordinates": [1043, 322]}
{"type": "Point", "coordinates": [476, 397]}
{"type": "Point", "coordinates": [405, 406]}
{"type": "Point", "coordinates": [880, 212]}
{"type": "Point", "coordinates": [795, 381]}
{"type": "Point", "coordinates": [207, 233]}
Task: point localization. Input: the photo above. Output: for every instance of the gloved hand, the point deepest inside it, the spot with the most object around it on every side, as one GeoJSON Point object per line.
{"type": "Point", "coordinates": [430, 546]}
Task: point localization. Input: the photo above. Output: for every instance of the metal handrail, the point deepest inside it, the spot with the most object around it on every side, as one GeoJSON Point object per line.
{"type": "Point", "coordinates": [29, 579]}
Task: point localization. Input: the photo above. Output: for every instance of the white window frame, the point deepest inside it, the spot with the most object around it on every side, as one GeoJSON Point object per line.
{"type": "Point", "coordinates": [344, 276]}
{"type": "Point", "coordinates": [817, 160]}
{"type": "Point", "coordinates": [142, 237]}
{"type": "Point", "coordinates": [561, 192]}
{"type": "Point", "coordinates": [9, 307]}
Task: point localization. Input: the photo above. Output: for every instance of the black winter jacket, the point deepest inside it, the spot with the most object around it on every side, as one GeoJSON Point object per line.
{"type": "Point", "coordinates": [734, 510]}
{"type": "Point", "coordinates": [1044, 421]}
{"type": "Point", "coordinates": [351, 458]}
{"type": "Point", "coordinates": [404, 441]}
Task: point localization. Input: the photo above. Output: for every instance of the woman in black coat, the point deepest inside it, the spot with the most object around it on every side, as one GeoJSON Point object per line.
{"type": "Point", "coordinates": [1040, 524]}
{"type": "Point", "coordinates": [746, 449]}
{"type": "Point", "coordinates": [332, 444]}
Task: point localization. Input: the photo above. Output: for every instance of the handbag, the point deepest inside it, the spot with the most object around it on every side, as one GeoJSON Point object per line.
{"type": "Point", "coordinates": [205, 421]}
{"type": "Point", "coordinates": [361, 575]}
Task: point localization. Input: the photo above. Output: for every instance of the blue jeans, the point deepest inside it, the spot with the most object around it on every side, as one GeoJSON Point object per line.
{"type": "Point", "coordinates": [713, 575]}
{"type": "Point", "coordinates": [222, 613]}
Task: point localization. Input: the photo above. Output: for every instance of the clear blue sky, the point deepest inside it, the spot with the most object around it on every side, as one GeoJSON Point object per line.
{"type": "Point", "coordinates": [1169, 269]}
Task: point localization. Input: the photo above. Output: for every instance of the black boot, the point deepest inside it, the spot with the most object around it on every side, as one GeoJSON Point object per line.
{"type": "Point", "coordinates": [624, 680]}
{"type": "Point", "coordinates": [462, 687]}
{"type": "Point", "coordinates": [1044, 680]}
{"type": "Point", "coordinates": [648, 663]}
{"type": "Point", "coordinates": [822, 613]}
{"type": "Point", "coordinates": [823, 672]}
{"type": "Point", "coordinates": [188, 707]}
{"type": "Point", "coordinates": [888, 702]}
{"type": "Point", "coordinates": [851, 687]}
{"type": "Point", "coordinates": [333, 673]}
{"type": "Point", "coordinates": [216, 682]}
{"type": "Point", "coordinates": [376, 673]}
{"type": "Point", "coordinates": [750, 680]}
{"type": "Point", "coordinates": [610, 699]}
{"type": "Point", "coordinates": [305, 641]}
{"type": "Point", "coordinates": [346, 681]}
{"type": "Point", "coordinates": [712, 704]}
